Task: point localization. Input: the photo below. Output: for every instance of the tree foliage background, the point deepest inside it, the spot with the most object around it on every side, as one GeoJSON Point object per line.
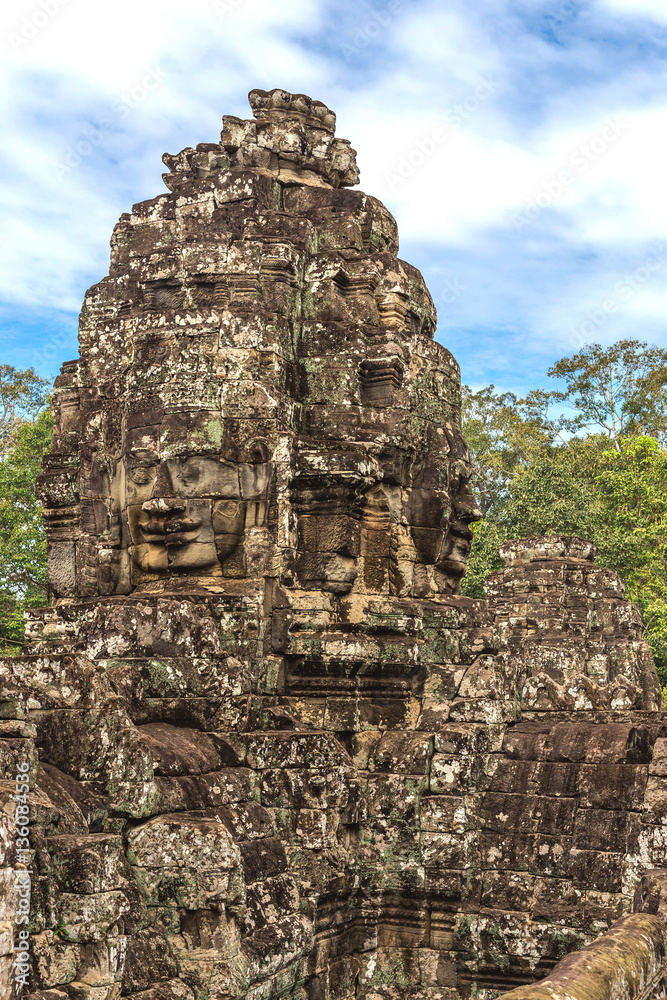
{"type": "Point", "coordinates": [25, 435]}
{"type": "Point", "coordinates": [598, 470]}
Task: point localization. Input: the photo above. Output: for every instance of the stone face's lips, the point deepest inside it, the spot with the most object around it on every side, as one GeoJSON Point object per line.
{"type": "Point", "coordinates": [182, 524]}
{"type": "Point", "coordinates": [178, 539]}
{"type": "Point", "coordinates": [461, 529]}
{"type": "Point", "coordinates": [171, 532]}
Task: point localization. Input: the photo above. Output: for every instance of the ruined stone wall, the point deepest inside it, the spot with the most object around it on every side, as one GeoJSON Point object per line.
{"type": "Point", "coordinates": [628, 962]}
{"type": "Point", "coordinates": [334, 799]}
{"type": "Point", "coordinates": [274, 752]}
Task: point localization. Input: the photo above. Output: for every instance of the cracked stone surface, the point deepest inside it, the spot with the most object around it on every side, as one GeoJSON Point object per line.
{"type": "Point", "coordinates": [273, 751]}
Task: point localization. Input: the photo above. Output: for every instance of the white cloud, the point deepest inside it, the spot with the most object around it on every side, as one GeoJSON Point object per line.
{"type": "Point", "coordinates": [98, 93]}
{"type": "Point", "coordinates": [395, 81]}
{"type": "Point", "coordinates": [111, 45]}
{"type": "Point", "coordinates": [633, 8]}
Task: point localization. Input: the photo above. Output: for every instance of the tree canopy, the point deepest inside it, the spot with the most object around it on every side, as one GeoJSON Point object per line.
{"type": "Point", "coordinates": [23, 578]}
{"type": "Point", "coordinates": [22, 395]}
{"type": "Point", "coordinates": [614, 391]}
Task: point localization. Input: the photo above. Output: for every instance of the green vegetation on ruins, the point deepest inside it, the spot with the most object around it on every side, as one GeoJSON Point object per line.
{"type": "Point", "coordinates": [600, 471]}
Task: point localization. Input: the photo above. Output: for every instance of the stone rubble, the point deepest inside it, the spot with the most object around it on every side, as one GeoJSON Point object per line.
{"type": "Point", "coordinates": [274, 752]}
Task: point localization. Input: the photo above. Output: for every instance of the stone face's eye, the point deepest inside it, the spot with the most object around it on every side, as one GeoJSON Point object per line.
{"type": "Point", "coordinates": [190, 472]}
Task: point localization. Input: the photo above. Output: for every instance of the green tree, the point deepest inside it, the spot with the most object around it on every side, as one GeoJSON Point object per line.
{"type": "Point", "coordinates": [503, 434]}
{"type": "Point", "coordinates": [614, 390]}
{"type": "Point", "coordinates": [535, 472]}
{"type": "Point", "coordinates": [557, 492]}
{"type": "Point", "coordinates": [488, 536]}
{"type": "Point", "coordinates": [632, 488]}
{"type": "Point", "coordinates": [23, 577]}
{"type": "Point", "coordinates": [22, 395]}
{"type": "Point", "coordinates": [554, 493]}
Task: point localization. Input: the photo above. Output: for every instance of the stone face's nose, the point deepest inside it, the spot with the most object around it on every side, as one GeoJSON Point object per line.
{"type": "Point", "coordinates": [165, 489]}
{"type": "Point", "coordinates": [465, 505]}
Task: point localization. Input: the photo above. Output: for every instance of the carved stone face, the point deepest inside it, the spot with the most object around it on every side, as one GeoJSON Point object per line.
{"type": "Point", "coordinates": [454, 547]}
{"type": "Point", "coordinates": [185, 506]}
{"type": "Point", "coordinates": [259, 394]}
{"type": "Point", "coordinates": [386, 515]}
{"type": "Point", "coordinates": [440, 518]}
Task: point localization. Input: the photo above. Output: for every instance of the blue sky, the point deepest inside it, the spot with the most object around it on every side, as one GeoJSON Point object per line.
{"type": "Point", "coordinates": [520, 145]}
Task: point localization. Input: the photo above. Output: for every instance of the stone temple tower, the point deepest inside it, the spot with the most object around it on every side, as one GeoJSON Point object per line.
{"type": "Point", "coordinates": [259, 396]}
{"type": "Point", "coordinates": [272, 751]}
